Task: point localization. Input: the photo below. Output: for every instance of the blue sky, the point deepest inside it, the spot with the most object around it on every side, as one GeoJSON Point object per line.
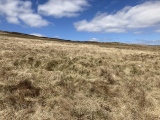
{"type": "Point", "coordinates": [136, 21]}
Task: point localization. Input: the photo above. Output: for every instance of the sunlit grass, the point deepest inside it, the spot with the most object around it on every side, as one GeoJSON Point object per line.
{"type": "Point", "coordinates": [56, 80]}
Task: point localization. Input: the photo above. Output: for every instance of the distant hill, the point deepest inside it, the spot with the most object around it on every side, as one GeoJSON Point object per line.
{"type": "Point", "coordinates": [102, 44]}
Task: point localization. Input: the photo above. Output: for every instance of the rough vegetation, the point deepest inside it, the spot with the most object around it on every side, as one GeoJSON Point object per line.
{"type": "Point", "coordinates": [51, 80]}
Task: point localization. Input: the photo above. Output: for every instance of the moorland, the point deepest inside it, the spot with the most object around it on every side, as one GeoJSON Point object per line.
{"type": "Point", "coordinates": [51, 79]}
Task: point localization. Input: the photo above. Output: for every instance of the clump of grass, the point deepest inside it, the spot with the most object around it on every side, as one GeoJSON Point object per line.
{"type": "Point", "coordinates": [20, 96]}
{"type": "Point", "coordinates": [52, 65]}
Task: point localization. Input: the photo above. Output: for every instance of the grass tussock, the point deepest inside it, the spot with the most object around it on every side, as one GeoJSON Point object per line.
{"type": "Point", "coordinates": [53, 80]}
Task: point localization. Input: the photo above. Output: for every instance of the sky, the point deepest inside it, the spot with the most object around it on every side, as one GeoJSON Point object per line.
{"type": "Point", "coordinates": [126, 21]}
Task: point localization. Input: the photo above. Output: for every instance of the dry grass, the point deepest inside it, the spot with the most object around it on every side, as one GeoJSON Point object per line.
{"type": "Point", "coordinates": [50, 80]}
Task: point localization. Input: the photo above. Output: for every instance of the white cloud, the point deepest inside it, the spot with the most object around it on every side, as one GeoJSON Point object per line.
{"type": "Point", "coordinates": [16, 11]}
{"type": "Point", "coordinates": [56, 36]}
{"type": "Point", "coordinates": [62, 8]}
{"type": "Point", "coordinates": [138, 32]}
{"type": "Point", "coordinates": [33, 20]}
{"type": "Point", "coordinates": [146, 15]}
{"type": "Point", "coordinates": [158, 31]}
{"type": "Point", "coordinates": [37, 34]}
{"type": "Point", "coordinates": [13, 20]}
{"type": "Point", "coordinates": [93, 40]}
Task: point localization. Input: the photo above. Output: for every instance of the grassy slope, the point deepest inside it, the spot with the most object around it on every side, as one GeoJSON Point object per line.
{"type": "Point", "coordinates": [50, 80]}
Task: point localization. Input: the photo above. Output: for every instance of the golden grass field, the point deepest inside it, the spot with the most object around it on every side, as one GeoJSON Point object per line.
{"type": "Point", "coordinates": [44, 79]}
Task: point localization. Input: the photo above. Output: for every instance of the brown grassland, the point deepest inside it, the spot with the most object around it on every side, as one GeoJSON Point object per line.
{"type": "Point", "coordinates": [44, 79]}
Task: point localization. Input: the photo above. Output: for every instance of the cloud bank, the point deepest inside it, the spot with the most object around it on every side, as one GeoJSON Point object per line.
{"type": "Point", "coordinates": [145, 15]}
{"type": "Point", "coordinates": [62, 8]}
{"type": "Point", "coordinates": [93, 40]}
{"type": "Point", "coordinates": [147, 42]}
{"type": "Point", "coordinates": [16, 11]}
{"type": "Point", "coordinates": [37, 34]}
